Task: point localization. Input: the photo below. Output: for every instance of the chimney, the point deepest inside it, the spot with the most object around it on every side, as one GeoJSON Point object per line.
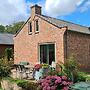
{"type": "Point", "coordinates": [35, 10]}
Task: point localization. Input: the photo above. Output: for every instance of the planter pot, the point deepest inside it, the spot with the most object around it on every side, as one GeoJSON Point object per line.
{"type": "Point", "coordinates": [38, 74]}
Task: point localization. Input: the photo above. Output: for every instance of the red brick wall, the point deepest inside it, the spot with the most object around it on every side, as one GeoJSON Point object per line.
{"type": "Point", "coordinates": [3, 47]}
{"type": "Point", "coordinates": [78, 45]}
{"type": "Point", "coordinates": [26, 47]}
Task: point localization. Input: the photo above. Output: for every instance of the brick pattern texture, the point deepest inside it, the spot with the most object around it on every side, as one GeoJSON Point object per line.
{"type": "Point", "coordinates": [67, 43]}
{"type": "Point", "coordinates": [78, 45]}
{"type": "Point", "coordinates": [26, 45]}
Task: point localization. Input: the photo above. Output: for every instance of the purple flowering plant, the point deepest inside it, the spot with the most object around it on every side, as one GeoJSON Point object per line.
{"type": "Point", "coordinates": [54, 83]}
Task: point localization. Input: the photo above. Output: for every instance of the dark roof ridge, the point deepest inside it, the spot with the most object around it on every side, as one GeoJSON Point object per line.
{"type": "Point", "coordinates": [65, 21]}
{"type": "Point", "coordinates": [51, 22]}
{"type": "Point", "coordinates": [61, 23]}
{"type": "Point", "coordinates": [41, 16]}
{"type": "Point", "coordinates": [21, 27]}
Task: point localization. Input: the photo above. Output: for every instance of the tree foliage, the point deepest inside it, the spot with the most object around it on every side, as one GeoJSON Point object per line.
{"type": "Point", "coordinates": [11, 28]}
{"type": "Point", "coordinates": [2, 28]}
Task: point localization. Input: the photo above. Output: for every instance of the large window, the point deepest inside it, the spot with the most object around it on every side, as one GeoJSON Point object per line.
{"type": "Point", "coordinates": [36, 26]}
{"type": "Point", "coordinates": [47, 53]}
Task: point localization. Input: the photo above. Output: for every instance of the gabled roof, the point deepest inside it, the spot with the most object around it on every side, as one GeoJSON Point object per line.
{"type": "Point", "coordinates": [61, 23]}
{"type": "Point", "coordinates": [6, 39]}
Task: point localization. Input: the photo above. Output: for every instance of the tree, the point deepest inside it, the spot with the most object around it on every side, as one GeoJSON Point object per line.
{"type": "Point", "coordinates": [14, 27]}
{"type": "Point", "coordinates": [2, 28]}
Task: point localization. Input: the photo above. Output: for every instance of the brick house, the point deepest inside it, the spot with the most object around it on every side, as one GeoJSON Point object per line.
{"type": "Point", "coordinates": [6, 41]}
{"type": "Point", "coordinates": [45, 39]}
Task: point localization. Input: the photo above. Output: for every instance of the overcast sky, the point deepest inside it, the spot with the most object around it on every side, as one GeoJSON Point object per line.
{"type": "Point", "coordinates": [77, 11]}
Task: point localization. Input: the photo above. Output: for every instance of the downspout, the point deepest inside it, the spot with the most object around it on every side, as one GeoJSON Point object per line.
{"type": "Point", "coordinates": [65, 43]}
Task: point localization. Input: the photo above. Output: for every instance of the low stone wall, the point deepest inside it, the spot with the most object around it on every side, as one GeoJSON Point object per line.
{"type": "Point", "coordinates": [7, 85]}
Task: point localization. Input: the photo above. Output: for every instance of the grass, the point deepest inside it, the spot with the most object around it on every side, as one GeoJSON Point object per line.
{"type": "Point", "coordinates": [1, 89]}
{"type": "Point", "coordinates": [25, 84]}
{"type": "Point", "coordinates": [14, 80]}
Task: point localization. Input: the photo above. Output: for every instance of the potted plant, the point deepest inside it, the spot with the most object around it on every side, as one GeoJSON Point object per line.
{"type": "Point", "coordinates": [38, 71]}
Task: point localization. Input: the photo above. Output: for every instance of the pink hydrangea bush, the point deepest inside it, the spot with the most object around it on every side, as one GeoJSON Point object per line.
{"type": "Point", "coordinates": [54, 83]}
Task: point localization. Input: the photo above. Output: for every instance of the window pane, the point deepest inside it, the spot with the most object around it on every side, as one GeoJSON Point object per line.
{"type": "Point", "coordinates": [47, 53]}
{"type": "Point", "coordinates": [30, 27]}
{"type": "Point", "coordinates": [51, 53]}
{"type": "Point", "coordinates": [37, 26]}
{"type": "Point", "coordinates": [43, 53]}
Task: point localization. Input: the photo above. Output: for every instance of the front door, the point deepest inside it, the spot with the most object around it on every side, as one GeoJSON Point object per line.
{"type": "Point", "coordinates": [47, 53]}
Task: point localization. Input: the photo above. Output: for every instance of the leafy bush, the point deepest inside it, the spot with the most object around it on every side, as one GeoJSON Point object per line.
{"type": "Point", "coordinates": [88, 78]}
{"type": "Point", "coordinates": [9, 54]}
{"type": "Point", "coordinates": [81, 76]}
{"type": "Point", "coordinates": [71, 67]}
{"type": "Point", "coordinates": [5, 63]}
{"type": "Point", "coordinates": [1, 89]}
{"type": "Point", "coordinates": [27, 85]}
{"type": "Point", "coordinates": [54, 83]}
{"type": "Point", "coordinates": [4, 68]}
{"type": "Point", "coordinates": [24, 84]}
{"type": "Point", "coordinates": [52, 71]}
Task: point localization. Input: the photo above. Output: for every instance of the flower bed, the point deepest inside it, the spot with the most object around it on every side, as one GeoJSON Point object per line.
{"type": "Point", "coordinates": [54, 83]}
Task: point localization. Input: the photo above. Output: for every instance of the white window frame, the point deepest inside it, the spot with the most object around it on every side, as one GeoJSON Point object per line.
{"type": "Point", "coordinates": [30, 32]}
{"type": "Point", "coordinates": [38, 26]}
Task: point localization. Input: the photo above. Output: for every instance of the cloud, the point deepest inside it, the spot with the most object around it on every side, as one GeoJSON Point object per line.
{"type": "Point", "coordinates": [61, 7]}
{"type": "Point", "coordinates": [19, 10]}
{"type": "Point", "coordinates": [12, 11]}
{"type": "Point", "coordinates": [80, 2]}
{"type": "Point", "coordinates": [85, 7]}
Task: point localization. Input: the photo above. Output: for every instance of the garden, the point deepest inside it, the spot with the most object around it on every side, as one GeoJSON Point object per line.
{"type": "Point", "coordinates": [47, 77]}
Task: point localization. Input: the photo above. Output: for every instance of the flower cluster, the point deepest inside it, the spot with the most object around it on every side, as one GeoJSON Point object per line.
{"type": "Point", "coordinates": [45, 65]}
{"type": "Point", "coordinates": [54, 83]}
{"type": "Point", "coordinates": [37, 67]}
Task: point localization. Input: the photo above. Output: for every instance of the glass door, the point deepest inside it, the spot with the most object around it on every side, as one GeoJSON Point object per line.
{"type": "Point", "coordinates": [47, 53]}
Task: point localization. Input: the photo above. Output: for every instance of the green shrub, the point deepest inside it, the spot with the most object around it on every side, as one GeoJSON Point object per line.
{"type": "Point", "coordinates": [88, 78]}
{"type": "Point", "coordinates": [70, 69]}
{"type": "Point", "coordinates": [9, 54]}
{"type": "Point", "coordinates": [4, 68]}
{"type": "Point", "coordinates": [23, 84]}
{"type": "Point", "coordinates": [82, 76]}
{"type": "Point", "coordinates": [52, 71]}
{"type": "Point", "coordinates": [27, 85]}
{"type": "Point", "coordinates": [1, 89]}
